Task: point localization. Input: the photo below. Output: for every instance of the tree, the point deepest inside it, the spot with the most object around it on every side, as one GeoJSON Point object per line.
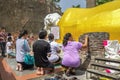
{"type": "Point", "coordinates": [99, 2]}
{"type": "Point", "coordinates": [76, 6]}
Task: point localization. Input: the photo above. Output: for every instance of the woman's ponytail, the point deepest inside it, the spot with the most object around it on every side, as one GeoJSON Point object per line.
{"type": "Point", "coordinates": [22, 33]}
{"type": "Point", "coordinates": [66, 38]}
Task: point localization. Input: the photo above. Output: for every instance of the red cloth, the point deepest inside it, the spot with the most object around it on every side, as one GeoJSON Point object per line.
{"type": "Point", "coordinates": [105, 43]}
{"type": "Point", "coordinates": [108, 71]}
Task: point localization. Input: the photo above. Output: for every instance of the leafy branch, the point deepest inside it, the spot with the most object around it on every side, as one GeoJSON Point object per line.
{"type": "Point", "coordinates": [99, 2]}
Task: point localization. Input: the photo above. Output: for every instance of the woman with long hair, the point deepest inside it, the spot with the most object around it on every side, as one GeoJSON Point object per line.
{"type": "Point", "coordinates": [22, 47]}
{"type": "Point", "coordinates": [71, 58]}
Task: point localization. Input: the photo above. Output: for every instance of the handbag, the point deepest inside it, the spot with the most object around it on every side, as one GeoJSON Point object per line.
{"type": "Point", "coordinates": [28, 59]}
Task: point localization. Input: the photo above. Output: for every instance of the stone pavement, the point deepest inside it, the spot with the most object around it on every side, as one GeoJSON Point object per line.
{"type": "Point", "coordinates": [26, 73]}
{"type": "Point", "coordinates": [80, 75]}
{"type": "Point", "coordinates": [12, 63]}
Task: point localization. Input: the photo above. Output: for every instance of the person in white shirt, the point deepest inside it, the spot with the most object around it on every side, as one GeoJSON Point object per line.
{"type": "Point", "coordinates": [22, 48]}
{"type": "Point", "coordinates": [55, 49]}
{"type": "Point", "coordinates": [9, 48]}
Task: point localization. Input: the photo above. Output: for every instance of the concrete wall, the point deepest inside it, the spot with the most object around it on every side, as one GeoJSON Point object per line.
{"type": "Point", "coordinates": [95, 43]}
{"type": "Point", "coordinates": [28, 14]}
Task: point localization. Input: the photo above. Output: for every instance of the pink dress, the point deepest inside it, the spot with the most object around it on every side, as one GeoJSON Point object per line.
{"type": "Point", "coordinates": [71, 56]}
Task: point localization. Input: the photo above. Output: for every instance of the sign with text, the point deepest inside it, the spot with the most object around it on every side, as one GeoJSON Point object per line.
{"type": "Point", "coordinates": [56, 32]}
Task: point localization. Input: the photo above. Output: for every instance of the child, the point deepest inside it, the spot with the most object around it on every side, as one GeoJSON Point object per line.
{"type": "Point", "coordinates": [9, 48]}
{"type": "Point", "coordinates": [55, 49]}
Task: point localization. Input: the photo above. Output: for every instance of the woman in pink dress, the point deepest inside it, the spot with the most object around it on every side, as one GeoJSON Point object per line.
{"type": "Point", "coordinates": [71, 58]}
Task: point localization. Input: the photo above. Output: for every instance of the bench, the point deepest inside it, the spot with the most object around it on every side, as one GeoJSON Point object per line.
{"type": "Point", "coordinates": [98, 72]}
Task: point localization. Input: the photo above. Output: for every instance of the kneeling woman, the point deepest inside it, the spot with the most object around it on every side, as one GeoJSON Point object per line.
{"type": "Point", "coordinates": [41, 49]}
{"type": "Point", "coordinates": [71, 49]}
{"type": "Point", "coordinates": [22, 47]}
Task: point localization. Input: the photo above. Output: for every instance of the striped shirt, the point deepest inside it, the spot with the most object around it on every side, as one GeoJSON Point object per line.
{"type": "Point", "coordinates": [3, 37]}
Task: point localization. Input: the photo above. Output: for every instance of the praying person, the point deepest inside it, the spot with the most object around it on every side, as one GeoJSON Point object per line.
{"type": "Point", "coordinates": [71, 58]}
{"type": "Point", "coordinates": [41, 50]}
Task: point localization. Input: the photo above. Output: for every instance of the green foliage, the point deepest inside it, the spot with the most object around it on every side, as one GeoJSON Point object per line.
{"type": "Point", "coordinates": [99, 2]}
{"type": "Point", "coordinates": [76, 6]}
{"type": "Point", "coordinates": [56, 0]}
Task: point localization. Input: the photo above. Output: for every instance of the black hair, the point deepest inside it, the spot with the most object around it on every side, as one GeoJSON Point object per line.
{"type": "Point", "coordinates": [22, 33]}
{"type": "Point", "coordinates": [42, 34]}
{"type": "Point", "coordinates": [66, 38]}
{"type": "Point", "coordinates": [9, 34]}
{"type": "Point", "coordinates": [51, 37]}
{"type": "Point", "coordinates": [9, 38]}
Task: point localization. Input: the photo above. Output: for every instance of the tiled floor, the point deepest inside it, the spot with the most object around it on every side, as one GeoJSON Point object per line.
{"type": "Point", "coordinates": [8, 72]}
